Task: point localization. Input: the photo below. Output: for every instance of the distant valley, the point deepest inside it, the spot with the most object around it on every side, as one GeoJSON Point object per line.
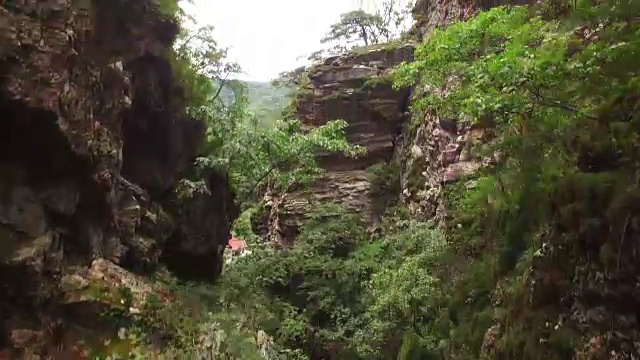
{"type": "Point", "coordinates": [266, 101]}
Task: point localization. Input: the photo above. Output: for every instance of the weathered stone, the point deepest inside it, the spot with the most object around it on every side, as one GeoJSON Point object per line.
{"type": "Point", "coordinates": [459, 170]}
{"type": "Point", "coordinates": [25, 338]}
{"type": "Point", "coordinates": [329, 74]}
{"type": "Point", "coordinates": [374, 115]}
{"type": "Point", "coordinates": [62, 198]}
{"type": "Point", "coordinates": [196, 247]}
{"type": "Point", "coordinates": [88, 293]}
{"type": "Point", "coordinates": [73, 282]}
{"type": "Point", "coordinates": [490, 342]}
{"type": "Point", "coordinates": [32, 249]}
{"type": "Point", "coordinates": [93, 128]}
{"type": "Point", "coordinates": [416, 152]}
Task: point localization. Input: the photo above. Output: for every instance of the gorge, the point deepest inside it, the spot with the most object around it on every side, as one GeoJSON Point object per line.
{"type": "Point", "coordinates": [467, 190]}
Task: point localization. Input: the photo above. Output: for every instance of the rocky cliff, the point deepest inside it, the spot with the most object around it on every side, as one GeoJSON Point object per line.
{"type": "Point", "coordinates": [434, 152]}
{"type": "Point", "coordinates": [357, 88]}
{"type": "Point", "coordinates": [94, 139]}
{"type": "Point", "coordinates": [572, 304]}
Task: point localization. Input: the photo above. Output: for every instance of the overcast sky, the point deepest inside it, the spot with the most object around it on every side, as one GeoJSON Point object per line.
{"type": "Point", "coordinates": [267, 36]}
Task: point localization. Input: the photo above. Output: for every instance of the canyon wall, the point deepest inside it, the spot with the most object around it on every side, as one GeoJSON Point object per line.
{"type": "Point", "coordinates": [94, 139]}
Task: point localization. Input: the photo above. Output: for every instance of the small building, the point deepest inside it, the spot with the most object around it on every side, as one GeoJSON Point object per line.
{"type": "Point", "coordinates": [236, 248]}
{"type": "Point", "coordinates": [236, 245]}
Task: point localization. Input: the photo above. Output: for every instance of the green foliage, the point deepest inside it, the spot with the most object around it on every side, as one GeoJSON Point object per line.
{"type": "Point", "coordinates": [556, 96]}
{"type": "Point", "coordinates": [190, 322]}
{"type": "Point", "coordinates": [334, 293]}
{"type": "Point", "coordinates": [265, 100]}
{"type": "Point", "coordinates": [384, 186]}
{"type": "Point", "coordinates": [253, 150]}
{"type": "Point", "coordinates": [405, 289]}
{"type": "Point", "coordinates": [171, 7]}
{"type": "Point", "coordinates": [200, 65]}
{"type": "Point", "coordinates": [295, 78]}
{"type": "Point", "coordinates": [311, 293]}
{"type": "Point", "coordinates": [281, 154]}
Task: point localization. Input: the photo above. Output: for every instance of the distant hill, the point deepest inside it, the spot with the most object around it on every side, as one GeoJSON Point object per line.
{"type": "Point", "coordinates": [265, 100]}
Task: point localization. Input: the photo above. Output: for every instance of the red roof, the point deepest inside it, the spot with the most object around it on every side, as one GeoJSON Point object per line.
{"type": "Point", "coordinates": [236, 244]}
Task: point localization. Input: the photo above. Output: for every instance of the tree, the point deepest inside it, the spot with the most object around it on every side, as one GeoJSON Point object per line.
{"type": "Point", "coordinates": [356, 26]}
{"type": "Point", "coordinates": [361, 28]}
{"type": "Point", "coordinates": [281, 154]}
{"type": "Point", "coordinates": [201, 65]}
{"type": "Point", "coordinates": [290, 78]}
{"type": "Point", "coordinates": [235, 142]}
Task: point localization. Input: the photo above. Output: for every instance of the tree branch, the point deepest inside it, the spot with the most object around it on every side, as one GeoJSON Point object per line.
{"type": "Point", "coordinates": [222, 84]}
{"type": "Point", "coordinates": [541, 100]}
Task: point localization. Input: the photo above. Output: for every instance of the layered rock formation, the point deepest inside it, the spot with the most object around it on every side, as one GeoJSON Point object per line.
{"type": "Point", "coordinates": [93, 139]}
{"type": "Point", "coordinates": [356, 88]}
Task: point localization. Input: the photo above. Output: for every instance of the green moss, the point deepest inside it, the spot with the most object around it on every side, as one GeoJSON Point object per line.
{"type": "Point", "coordinates": [470, 204]}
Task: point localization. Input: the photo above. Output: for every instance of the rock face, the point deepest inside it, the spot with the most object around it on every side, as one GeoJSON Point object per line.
{"type": "Point", "coordinates": [93, 136]}
{"type": "Point", "coordinates": [356, 88]}
{"type": "Point", "coordinates": [579, 286]}
{"type": "Point", "coordinates": [435, 153]}
{"type": "Point", "coordinates": [432, 14]}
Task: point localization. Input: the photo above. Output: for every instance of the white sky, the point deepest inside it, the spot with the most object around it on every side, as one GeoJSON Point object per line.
{"type": "Point", "coordinates": [266, 37]}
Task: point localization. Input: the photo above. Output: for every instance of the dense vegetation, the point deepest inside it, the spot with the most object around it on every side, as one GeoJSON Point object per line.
{"type": "Point", "coordinates": [560, 84]}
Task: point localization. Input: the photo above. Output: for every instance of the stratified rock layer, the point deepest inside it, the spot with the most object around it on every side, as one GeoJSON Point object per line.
{"type": "Point", "coordinates": [356, 88]}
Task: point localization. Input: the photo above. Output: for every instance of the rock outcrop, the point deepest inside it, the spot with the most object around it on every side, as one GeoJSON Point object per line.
{"type": "Point", "coordinates": [437, 152]}
{"type": "Point", "coordinates": [357, 88]}
{"type": "Point", "coordinates": [93, 139]}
